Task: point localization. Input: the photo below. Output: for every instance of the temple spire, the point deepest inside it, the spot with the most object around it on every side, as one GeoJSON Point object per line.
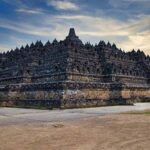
{"type": "Point", "coordinates": [72, 32]}
{"type": "Point", "coordinates": [73, 38]}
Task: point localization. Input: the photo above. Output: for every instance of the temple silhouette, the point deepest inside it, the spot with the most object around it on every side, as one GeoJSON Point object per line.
{"type": "Point", "coordinates": [69, 74]}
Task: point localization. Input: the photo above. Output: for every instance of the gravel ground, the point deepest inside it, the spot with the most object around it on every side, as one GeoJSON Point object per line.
{"type": "Point", "coordinates": [77, 129]}
{"type": "Point", "coordinates": [109, 132]}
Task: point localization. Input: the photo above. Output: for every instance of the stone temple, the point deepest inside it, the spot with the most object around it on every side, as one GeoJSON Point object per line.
{"type": "Point", "coordinates": [69, 74]}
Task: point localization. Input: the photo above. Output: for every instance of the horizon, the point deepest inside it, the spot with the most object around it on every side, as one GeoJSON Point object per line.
{"type": "Point", "coordinates": [123, 22]}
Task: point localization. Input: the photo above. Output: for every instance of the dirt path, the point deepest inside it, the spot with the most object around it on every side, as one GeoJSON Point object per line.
{"type": "Point", "coordinates": [113, 132]}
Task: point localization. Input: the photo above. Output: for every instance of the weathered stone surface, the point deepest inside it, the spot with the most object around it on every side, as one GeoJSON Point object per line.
{"type": "Point", "coordinates": [72, 74]}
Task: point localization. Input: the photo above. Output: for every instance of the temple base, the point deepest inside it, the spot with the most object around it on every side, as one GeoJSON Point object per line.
{"type": "Point", "coordinates": [72, 94]}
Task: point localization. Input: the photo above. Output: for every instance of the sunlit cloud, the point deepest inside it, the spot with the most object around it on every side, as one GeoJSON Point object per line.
{"type": "Point", "coordinates": [136, 33]}
{"type": "Point", "coordinates": [63, 5]}
{"type": "Point", "coordinates": [4, 48]}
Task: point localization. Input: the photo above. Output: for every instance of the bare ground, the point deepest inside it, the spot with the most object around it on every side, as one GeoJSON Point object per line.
{"type": "Point", "coordinates": [113, 132]}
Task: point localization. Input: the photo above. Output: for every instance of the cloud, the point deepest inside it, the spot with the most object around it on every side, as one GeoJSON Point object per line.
{"type": "Point", "coordinates": [138, 34]}
{"type": "Point", "coordinates": [132, 1]}
{"type": "Point", "coordinates": [24, 7]}
{"type": "Point", "coordinates": [127, 3]}
{"type": "Point", "coordinates": [25, 28]}
{"type": "Point", "coordinates": [17, 3]}
{"type": "Point", "coordinates": [133, 33]}
{"type": "Point", "coordinates": [30, 11]}
{"type": "Point", "coordinates": [4, 48]}
{"type": "Point", "coordinates": [95, 26]}
{"type": "Point", "coordinates": [137, 42]}
{"type": "Point", "coordinates": [63, 5]}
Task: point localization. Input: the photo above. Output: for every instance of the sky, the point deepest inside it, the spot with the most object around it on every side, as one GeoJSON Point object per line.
{"type": "Point", "coordinates": [123, 22]}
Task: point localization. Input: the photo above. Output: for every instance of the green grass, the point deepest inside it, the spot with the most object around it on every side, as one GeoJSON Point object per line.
{"type": "Point", "coordinates": [144, 112]}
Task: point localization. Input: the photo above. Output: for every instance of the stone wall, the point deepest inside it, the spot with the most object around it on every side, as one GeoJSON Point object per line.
{"type": "Point", "coordinates": [72, 94]}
